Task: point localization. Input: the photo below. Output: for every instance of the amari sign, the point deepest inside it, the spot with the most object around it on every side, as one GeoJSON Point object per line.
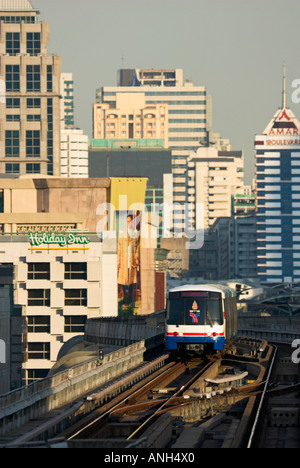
{"type": "Point", "coordinates": [63, 240]}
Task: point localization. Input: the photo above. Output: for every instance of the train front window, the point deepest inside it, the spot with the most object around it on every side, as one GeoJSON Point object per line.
{"type": "Point", "coordinates": [195, 308]}
{"type": "Point", "coordinates": [214, 312]}
{"type": "Point", "coordinates": [175, 311]}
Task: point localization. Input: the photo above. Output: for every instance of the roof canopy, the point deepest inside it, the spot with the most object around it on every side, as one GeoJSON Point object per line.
{"type": "Point", "coordinates": [16, 5]}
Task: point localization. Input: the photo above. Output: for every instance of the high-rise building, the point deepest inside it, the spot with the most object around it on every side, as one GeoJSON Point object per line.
{"type": "Point", "coordinates": [189, 115]}
{"type": "Point", "coordinates": [30, 110]}
{"type": "Point", "coordinates": [277, 177]}
{"type": "Point", "coordinates": [67, 119]}
{"type": "Point", "coordinates": [74, 144]}
{"type": "Point", "coordinates": [213, 178]}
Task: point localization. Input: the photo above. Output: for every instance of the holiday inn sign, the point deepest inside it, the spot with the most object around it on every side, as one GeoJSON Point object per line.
{"type": "Point", "coordinates": [62, 240]}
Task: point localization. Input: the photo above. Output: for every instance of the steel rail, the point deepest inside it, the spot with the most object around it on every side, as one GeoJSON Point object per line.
{"type": "Point", "coordinates": [257, 416]}
{"type": "Point", "coordinates": [133, 392]}
{"type": "Point", "coordinates": [165, 404]}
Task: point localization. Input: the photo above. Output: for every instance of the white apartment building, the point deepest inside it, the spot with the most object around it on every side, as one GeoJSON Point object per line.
{"type": "Point", "coordinates": [60, 280]}
{"type": "Point", "coordinates": [67, 119]}
{"type": "Point", "coordinates": [74, 144]}
{"type": "Point", "coordinates": [214, 177]}
{"type": "Point", "coordinates": [74, 153]}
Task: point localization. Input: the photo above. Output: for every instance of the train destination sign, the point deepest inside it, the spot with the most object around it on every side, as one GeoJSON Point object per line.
{"type": "Point", "coordinates": [63, 240]}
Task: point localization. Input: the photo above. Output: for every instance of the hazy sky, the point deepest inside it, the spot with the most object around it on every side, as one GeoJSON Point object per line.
{"type": "Point", "coordinates": [234, 47]}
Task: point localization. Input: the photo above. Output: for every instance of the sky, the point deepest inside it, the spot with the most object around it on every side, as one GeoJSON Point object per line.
{"type": "Point", "coordinates": [236, 48]}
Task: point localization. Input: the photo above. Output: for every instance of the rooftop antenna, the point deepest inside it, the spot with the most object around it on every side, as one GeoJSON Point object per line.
{"type": "Point", "coordinates": [284, 87]}
{"type": "Point", "coordinates": [122, 59]}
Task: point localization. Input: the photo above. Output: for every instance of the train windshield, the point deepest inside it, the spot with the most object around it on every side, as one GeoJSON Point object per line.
{"type": "Point", "coordinates": [195, 308]}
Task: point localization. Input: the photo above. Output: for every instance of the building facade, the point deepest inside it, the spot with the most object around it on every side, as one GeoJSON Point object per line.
{"type": "Point", "coordinates": [67, 102]}
{"type": "Point", "coordinates": [60, 280]}
{"type": "Point", "coordinates": [277, 178]}
{"type": "Point", "coordinates": [214, 177]}
{"type": "Point", "coordinates": [74, 144]}
{"type": "Point", "coordinates": [30, 112]}
{"type": "Point", "coordinates": [130, 117]}
{"type": "Point", "coordinates": [74, 153]}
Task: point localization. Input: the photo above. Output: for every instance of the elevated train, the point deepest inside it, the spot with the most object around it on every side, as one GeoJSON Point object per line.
{"type": "Point", "coordinates": [200, 318]}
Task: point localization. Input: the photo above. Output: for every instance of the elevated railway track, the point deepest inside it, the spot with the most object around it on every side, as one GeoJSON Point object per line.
{"type": "Point", "coordinates": [216, 402]}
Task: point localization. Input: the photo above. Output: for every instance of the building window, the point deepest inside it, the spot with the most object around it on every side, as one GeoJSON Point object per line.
{"type": "Point", "coordinates": [33, 43]}
{"type": "Point", "coordinates": [49, 79]}
{"type": "Point", "coordinates": [50, 135]}
{"type": "Point", "coordinates": [13, 103]}
{"type": "Point", "coordinates": [33, 118]}
{"type": "Point", "coordinates": [13, 43]}
{"type": "Point", "coordinates": [12, 78]}
{"type": "Point", "coordinates": [12, 168]}
{"type": "Point", "coordinates": [36, 374]}
{"type": "Point", "coordinates": [39, 297]}
{"type": "Point", "coordinates": [33, 103]}
{"type": "Point", "coordinates": [39, 271]}
{"type": "Point", "coordinates": [75, 271]}
{"type": "Point", "coordinates": [13, 118]}
{"type": "Point", "coordinates": [33, 143]}
{"type": "Point", "coordinates": [38, 350]}
{"type": "Point", "coordinates": [33, 77]}
{"type": "Point", "coordinates": [38, 324]}
{"type": "Point", "coordinates": [1, 201]}
{"type": "Point", "coordinates": [75, 323]}
{"type": "Point", "coordinates": [12, 143]}
{"type": "Point", "coordinates": [76, 297]}
{"type": "Point", "coordinates": [33, 168]}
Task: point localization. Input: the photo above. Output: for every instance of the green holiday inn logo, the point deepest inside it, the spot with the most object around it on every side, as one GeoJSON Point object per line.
{"type": "Point", "coordinates": [63, 240]}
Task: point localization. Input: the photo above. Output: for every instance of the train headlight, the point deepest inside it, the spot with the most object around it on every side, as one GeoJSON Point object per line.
{"type": "Point", "coordinates": [175, 334]}
{"type": "Point", "coordinates": [213, 334]}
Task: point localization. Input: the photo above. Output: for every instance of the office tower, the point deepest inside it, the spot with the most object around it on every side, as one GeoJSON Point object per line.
{"type": "Point", "coordinates": [67, 119]}
{"type": "Point", "coordinates": [189, 115]}
{"type": "Point", "coordinates": [30, 115]}
{"type": "Point", "coordinates": [213, 178]}
{"type": "Point", "coordinates": [74, 144]}
{"type": "Point", "coordinates": [277, 177]}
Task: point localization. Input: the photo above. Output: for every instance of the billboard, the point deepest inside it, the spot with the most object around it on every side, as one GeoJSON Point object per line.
{"type": "Point", "coordinates": [127, 202]}
{"type": "Point", "coordinates": [128, 226]}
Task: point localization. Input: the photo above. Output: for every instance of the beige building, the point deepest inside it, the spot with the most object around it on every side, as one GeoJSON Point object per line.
{"type": "Point", "coordinates": [51, 204]}
{"type": "Point", "coordinates": [30, 111]}
{"type": "Point", "coordinates": [131, 117]}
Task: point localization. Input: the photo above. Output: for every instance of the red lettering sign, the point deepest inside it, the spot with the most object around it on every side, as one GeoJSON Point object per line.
{"type": "Point", "coordinates": [284, 131]}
